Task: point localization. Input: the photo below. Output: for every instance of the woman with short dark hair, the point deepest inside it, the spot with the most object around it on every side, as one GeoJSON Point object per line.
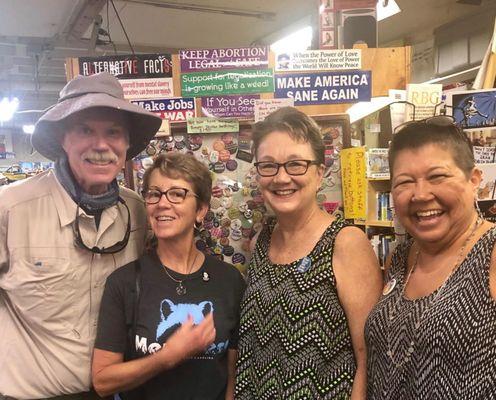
{"type": "Point", "coordinates": [433, 334]}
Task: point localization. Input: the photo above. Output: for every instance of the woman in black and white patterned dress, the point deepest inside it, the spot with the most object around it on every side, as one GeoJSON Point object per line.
{"type": "Point", "coordinates": [433, 334]}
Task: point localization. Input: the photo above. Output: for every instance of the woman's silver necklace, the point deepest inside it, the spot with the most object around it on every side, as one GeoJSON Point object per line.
{"type": "Point", "coordinates": [411, 346]}
{"type": "Point", "coordinates": [180, 288]}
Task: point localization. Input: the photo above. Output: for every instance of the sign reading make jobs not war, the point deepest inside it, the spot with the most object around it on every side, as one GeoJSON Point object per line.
{"type": "Point", "coordinates": [173, 110]}
{"type": "Point", "coordinates": [142, 76]}
{"type": "Point", "coordinates": [325, 87]}
{"type": "Point", "coordinates": [195, 60]}
{"type": "Point", "coordinates": [219, 83]}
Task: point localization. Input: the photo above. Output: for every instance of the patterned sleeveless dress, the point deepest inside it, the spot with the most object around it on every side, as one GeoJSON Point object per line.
{"type": "Point", "coordinates": [294, 338]}
{"type": "Point", "coordinates": [453, 331]}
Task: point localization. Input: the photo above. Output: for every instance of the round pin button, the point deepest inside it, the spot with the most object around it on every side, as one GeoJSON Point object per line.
{"type": "Point", "coordinates": [219, 145]}
{"type": "Point", "coordinates": [224, 155]}
{"type": "Point", "coordinates": [219, 167]}
{"type": "Point", "coordinates": [228, 250]}
{"type": "Point", "coordinates": [214, 156]}
{"type": "Point", "coordinates": [231, 165]}
{"type": "Point", "coordinates": [227, 138]}
{"type": "Point", "coordinates": [236, 234]}
{"type": "Point", "coordinates": [238, 258]}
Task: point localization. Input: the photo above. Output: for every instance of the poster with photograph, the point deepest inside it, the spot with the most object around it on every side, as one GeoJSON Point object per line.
{"type": "Point", "coordinates": [473, 108]}
{"type": "Point", "coordinates": [327, 19]}
{"type": "Point", "coordinates": [327, 4]}
{"type": "Point", "coordinates": [488, 210]}
{"type": "Point", "coordinates": [327, 39]}
{"type": "Point", "coordinates": [484, 137]}
{"type": "Point", "coordinates": [487, 187]}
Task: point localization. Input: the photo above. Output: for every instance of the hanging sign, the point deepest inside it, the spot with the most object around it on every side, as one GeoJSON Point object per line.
{"type": "Point", "coordinates": [211, 125]}
{"type": "Point", "coordinates": [484, 154]}
{"type": "Point", "coordinates": [229, 106]}
{"type": "Point", "coordinates": [264, 107]}
{"type": "Point", "coordinates": [173, 110]}
{"type": "Point", "coordinates": [218, 83]}
{"type": "Point", "coordinates": [142, 76]}
{"type": "Point", "coordinates": [325, 87]}
{"type": "Point", "coordinates": [354, 182]}
{"type": "Point", "coordinates": [231, 58]}
{"type": "Point", "coordinates": [319, 60]}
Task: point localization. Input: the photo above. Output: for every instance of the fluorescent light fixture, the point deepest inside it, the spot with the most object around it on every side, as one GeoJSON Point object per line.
{"type": "Point", "coordinates": [296, 41]}
{"type": "Point", "coordinates": [364, 108]}
{"type": "Point", "coordinates": [386, 9]}
{"type": "Point", "coordinates": [29, 129]}
{"type": "Point", "coordinates": [7, 108]}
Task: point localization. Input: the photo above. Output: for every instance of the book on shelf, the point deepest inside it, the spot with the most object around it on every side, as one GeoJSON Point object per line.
{"type": "Point", "coordinates": [384, 206]}
{"type": "Point", "coordinates": [383, 245]}
{"type": "Point", "coordinates": [377, 163]}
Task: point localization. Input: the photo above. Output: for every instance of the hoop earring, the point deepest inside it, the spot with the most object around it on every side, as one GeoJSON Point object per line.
{"type": "Point", "coordinates": [198, 228]}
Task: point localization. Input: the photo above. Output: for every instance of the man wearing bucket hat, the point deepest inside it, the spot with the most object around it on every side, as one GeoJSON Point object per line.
{"type": "Point", "coordinates": [62, 233]}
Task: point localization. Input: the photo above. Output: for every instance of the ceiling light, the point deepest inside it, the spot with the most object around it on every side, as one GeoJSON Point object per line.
{"type": "Point", "coordinates": [7, 108]}
{"type": "Point", "coordinates": [386, 9]}
{"type": "Point", "coordinates": [296, 41]}
{"type": "Point", "coordinates": [29, 129]}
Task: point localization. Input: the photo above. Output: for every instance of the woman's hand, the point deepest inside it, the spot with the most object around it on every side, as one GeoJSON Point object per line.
{"type": "Point", "coordinates": [188, 341]}
{"type": "Point", "coordinates": [111, 374]}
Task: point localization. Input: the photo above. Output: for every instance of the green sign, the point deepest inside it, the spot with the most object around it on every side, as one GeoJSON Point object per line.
{"type": "Point", "coordinates": [218, 83]}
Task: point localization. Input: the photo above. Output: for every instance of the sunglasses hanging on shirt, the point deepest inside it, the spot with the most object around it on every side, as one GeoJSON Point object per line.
{"type": "Point", "coordinates": [115, 248]}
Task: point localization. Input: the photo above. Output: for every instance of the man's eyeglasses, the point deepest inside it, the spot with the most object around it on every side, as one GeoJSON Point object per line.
{"type": "Point", "coordinates": [115, 248]}
{"type": "Point", "coordinates": [173, 195]}
{"type": "Point", "coordinates": [292, 167]}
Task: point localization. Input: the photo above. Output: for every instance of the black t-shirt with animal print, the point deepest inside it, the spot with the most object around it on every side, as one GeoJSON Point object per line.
{"type": "Point", "coordinates": [216, 287]}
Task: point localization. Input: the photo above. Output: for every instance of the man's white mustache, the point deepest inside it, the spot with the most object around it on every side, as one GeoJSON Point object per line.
{"type": "Point", "coordinates": [107, 156]}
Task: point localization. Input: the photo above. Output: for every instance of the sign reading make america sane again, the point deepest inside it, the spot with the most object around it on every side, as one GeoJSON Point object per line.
{"type": "Point", "coordinates": [325, 87]}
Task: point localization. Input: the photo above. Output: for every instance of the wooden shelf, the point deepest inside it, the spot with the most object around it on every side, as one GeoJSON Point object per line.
{"type": "Point", "coordinates": [378, 179]}
{"type": "Point", "coordinates": [387, 224]}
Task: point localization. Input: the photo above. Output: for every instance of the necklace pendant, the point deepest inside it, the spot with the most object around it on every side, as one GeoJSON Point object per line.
{"type": "Point", "coordinates": [206, 277]}
{"type": "Point", "coordinates": [388, 287]}
{"type": "Point", "coordinates": [180, 289]}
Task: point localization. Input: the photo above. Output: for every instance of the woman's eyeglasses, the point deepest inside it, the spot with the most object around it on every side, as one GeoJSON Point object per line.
{"type": "Point", "coordinates": [292, 167]}
{"type": "Point", "coordinates": [173, 195]}
{"type": "Point", "coordinates": [115, 248]}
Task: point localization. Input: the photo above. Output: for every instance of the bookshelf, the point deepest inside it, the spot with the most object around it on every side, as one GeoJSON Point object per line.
{"type": "Point", "coordinates": [367, 199]}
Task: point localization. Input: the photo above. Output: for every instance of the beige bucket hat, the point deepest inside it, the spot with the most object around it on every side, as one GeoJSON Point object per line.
{"type": "Point", "coordinates": [83, 92]}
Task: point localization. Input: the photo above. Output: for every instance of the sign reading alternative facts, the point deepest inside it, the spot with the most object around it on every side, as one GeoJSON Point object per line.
{"type": "Point", "coordinates": [142, 76]}
{"type": "Point", "coordinates": [211, 59]}
{"type": "Point", "coordinates": [229, 106]}
{"type": "Point", "coordinates": [325, 87]}
{"type": "Point", "coordinates": [174, 110]}
{"type": "Point", "coordinates": [219, 83]}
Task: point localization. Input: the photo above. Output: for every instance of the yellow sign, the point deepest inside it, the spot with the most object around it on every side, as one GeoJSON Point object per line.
{"type": "Point", "coordinates": [354, 182]}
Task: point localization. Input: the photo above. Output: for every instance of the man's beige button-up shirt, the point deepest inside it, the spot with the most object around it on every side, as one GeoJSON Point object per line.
{"type": "Point", "coordinates": [50, 290]}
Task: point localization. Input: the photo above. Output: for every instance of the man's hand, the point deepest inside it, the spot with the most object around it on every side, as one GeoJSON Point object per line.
{"type": "Point", "coordinates": [188, 340]}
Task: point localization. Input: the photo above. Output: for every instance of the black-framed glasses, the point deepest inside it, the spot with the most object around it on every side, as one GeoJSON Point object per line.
{"type": "Point", "coordinates": [175, 195]}
{"type": "Point", "coordinates": [115, 248]}
{"type": "Point", "coordinates": [292, 167]}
